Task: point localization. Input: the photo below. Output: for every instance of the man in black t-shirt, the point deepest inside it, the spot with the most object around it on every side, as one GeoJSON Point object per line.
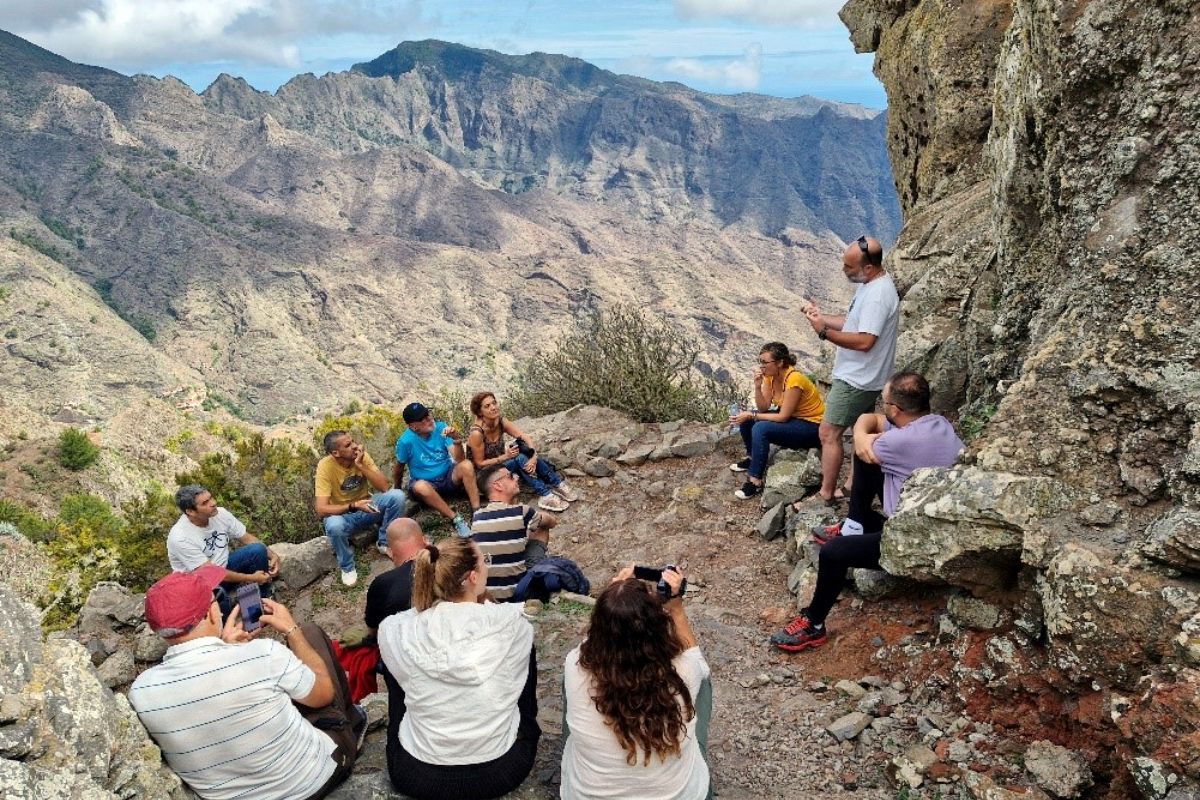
{"type": "Point", "coordinates": [391, 592]}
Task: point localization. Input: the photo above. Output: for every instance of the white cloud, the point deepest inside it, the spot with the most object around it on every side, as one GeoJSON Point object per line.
{"type": "Point", "coordinates": [743, 73]}
{"type": "Point", "coordinates": [803, 13]}
{"type": "Point", "coordinates": [140, 33]}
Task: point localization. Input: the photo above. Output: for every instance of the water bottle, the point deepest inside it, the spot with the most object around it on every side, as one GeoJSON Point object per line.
{"type": "Point", "coordinates": [734, 410]}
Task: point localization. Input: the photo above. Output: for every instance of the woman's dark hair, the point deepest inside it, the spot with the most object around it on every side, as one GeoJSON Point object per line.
{"type": "Point", "coordinates": [477, 402]}
{"type": "Point", "coordinates": [439, 571]}
{"type": "Point", "coordinates": [779, 352]}
{"type": "Point", "coordinates": [631, 642]}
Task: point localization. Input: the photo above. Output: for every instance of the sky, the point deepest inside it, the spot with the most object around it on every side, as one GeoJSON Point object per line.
{"type": "Point", "coordinates": [785, 48]}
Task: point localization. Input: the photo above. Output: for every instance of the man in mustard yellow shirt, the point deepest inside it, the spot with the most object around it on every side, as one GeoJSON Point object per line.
{"type": "Point", "coordinates": [345, 501]}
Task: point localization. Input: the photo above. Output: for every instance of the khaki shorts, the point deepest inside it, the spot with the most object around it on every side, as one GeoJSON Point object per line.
{"type": "Point", "coordinates": [844, 404]}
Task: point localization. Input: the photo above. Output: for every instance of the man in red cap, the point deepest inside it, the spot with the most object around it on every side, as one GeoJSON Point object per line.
{"type": "Point", "coordinates": [237, 714]}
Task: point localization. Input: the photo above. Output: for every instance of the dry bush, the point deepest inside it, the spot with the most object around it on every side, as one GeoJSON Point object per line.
{"type": "Point", "coordinates": [624, 359]}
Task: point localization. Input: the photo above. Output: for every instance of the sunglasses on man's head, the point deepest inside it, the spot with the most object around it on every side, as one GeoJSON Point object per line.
{"type": "Point", "coordinates": [866, 250]}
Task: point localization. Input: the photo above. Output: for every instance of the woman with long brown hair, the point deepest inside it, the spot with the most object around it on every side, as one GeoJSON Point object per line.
{"type": "Point", "coordinates": [464, 683]}
{"type": "Point", "coordinates": [637, 698]}
{"type": "Point", "coordinates": [486, 446]}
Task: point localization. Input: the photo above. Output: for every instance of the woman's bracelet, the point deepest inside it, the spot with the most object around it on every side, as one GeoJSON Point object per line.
{"type": "Point", "coordinates": [291, 630]}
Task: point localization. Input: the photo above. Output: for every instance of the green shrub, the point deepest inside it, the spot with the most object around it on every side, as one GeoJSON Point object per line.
{"type": "Point", "coordinates": [31, 524]}
{"type": "Point", "coordinates": [143, 541]}
{"type": "Point", "coordinates": [452, 406]}
{"type": "Point", "coordinates": [972, 423]}
{"type": "Point", "coordinates": [625, 359]}
{"type": "Point", "coordinates": [82, 557]}
{"type": "Point", "coordinates": [75, 450]}
{"type": "Point", "coordinates": [268, 485]}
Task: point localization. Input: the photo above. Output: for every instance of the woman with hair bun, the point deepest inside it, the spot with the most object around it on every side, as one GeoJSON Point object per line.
{"type": "Point", "coordinates": [638, 698]}
{"type": "Point", "coordinates": [464, 684]}
{"type": "Point", "coordinates": [787, 412]}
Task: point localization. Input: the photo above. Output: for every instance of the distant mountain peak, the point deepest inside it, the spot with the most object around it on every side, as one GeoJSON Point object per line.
{"type": "Point", "coordinates": [457, 61]}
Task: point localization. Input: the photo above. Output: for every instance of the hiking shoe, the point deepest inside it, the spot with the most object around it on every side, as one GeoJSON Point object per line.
{"type": "Point", "coordinates": [565, 491]}
{"type": "Point", "coordinates": [461, 528]}
{"type": "Point", "coordinates": [349, 577]}
{"type": "Point", "coordinates": [800, 634]}
{"type": "Point", "coordinates": [358, 724]}
{"type": "Point", "coordinates": [748, 490]}
{"type": "Point", "coordinates": [383, 550]}
{"type": "Point", "coordinates": [552, 502]}
{"type": "Point", "coordinates": [821, 534]}
{"type": "Point", "coordinates": [740, 466]}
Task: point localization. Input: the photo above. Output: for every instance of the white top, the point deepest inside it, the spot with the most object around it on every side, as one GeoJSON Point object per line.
{"type": "Point", "coordinates": [462, 667]}
{"type": "Point", "coordinates": [875, 309]}
{"type": "Point", "coordinates": [189, 546]}
{"type": "Point", "coordinates": [594, 765]}
{"type": "Point", "coordinates": [223, 716]}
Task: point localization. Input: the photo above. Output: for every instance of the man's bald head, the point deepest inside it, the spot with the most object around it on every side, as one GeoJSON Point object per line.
{"type": "Point", "coordinates": [404, 538]}
{"type": "Point", "coordinates": [866, 251]}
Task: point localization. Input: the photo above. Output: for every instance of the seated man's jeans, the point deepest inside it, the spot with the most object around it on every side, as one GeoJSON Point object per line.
{"type": "Point", "coordinates": [247, 560]}
{"type": "Point", "coordinates": [340, 527]}
{"type": "Point", "coordinates": [542, 482]}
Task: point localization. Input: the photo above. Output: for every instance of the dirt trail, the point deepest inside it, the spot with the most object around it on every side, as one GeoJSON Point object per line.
{"type": "Point", "coordinates": [767, 737]}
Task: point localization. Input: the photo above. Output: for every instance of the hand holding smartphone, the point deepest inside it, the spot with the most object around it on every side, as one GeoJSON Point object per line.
{"type": "Point", "coordinates": [249, 601]}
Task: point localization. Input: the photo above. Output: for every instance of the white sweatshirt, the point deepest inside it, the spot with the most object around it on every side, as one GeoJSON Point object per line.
{"type": "Point", "coordinates": [462, 667]}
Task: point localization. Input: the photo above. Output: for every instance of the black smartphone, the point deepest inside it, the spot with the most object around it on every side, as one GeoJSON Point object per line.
{"type": "Point", "coordinates": [647, 574]}
{"type": "Point", "coordinates": [249, 600]}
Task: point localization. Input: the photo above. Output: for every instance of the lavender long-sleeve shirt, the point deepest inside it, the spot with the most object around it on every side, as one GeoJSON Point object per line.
{"type": "Point", "coordinates": [928, 441]}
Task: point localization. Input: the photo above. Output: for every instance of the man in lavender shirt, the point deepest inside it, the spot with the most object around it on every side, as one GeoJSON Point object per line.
{"type": "Point", "coordinates": [888, 448]}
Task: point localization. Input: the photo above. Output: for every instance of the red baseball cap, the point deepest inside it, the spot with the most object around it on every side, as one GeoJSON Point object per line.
{"type": "Point", "coordinates": [179, 601]}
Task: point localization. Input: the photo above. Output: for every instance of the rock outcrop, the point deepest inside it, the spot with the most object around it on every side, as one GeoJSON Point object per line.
{"type": "Point", "coordinates": [1043, 151]}
{"type": "Point", "coordinates": [63, 734]}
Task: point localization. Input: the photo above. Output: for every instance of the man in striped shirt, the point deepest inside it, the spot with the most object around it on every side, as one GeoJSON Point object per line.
{"type": "Point", "coordinates": [238, 716]}
{"type": "Point", "coordinates": [511, 536]}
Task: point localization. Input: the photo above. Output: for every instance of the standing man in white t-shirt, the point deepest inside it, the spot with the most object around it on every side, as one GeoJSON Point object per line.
{"type": "Point", "coordinates": [866, 351]}
{"type": "Point", "coordinates": [202, 535]}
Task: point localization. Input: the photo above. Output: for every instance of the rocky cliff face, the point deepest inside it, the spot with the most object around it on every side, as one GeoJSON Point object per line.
{"type": "Point", "coordinates": [433, 216]}
{"type": "Point", "coordinates": [1045, 155]}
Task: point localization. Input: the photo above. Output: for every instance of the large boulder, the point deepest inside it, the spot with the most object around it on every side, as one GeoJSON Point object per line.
{"type": "Point", "coordinates": [305, 563]}
{"type": "Point", "coordinates": [967, 526]}
{"type": "Point", "coordinates": [791, 478]}
{"type": "Point", "coordinates": [111, 606]}
{"type": "Point", "coordinates": [1103, 622]}
{"type": "Point", "coordinates": [67, 736]}
{"type": "Point", "coordinates": [1174, 539]}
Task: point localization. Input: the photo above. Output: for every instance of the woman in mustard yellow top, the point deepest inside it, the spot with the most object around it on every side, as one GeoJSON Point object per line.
{"type": "Point", "coordinates": [788, 411]}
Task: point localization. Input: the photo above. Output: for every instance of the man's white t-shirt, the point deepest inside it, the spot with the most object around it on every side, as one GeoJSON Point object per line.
{"type": "Point", "coordinates": [189, 546]}
{"type": "Point", "coordinates": [875, 309]}
{"type": "Point", "coordinates": [594, 764]}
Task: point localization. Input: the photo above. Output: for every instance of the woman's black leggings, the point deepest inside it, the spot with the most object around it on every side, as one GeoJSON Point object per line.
{"type": "Point", "coordinates": [493, 778]}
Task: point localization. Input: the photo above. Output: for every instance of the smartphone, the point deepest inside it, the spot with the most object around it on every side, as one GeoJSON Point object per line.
{"type": "Point", "coordinates": [647, 574]}
{"type": "Point", "coordinates": [249, 600]}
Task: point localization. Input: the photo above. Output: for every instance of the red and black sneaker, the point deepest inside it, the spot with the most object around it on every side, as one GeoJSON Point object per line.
{"type": "Point", "coordinates": [821, 534]}
{"type": "Point", "coordinates": [800, 634]}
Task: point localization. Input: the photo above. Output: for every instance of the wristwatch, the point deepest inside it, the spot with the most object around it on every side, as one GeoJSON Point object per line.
{"type": "Point", "coordinates": [823, 334]}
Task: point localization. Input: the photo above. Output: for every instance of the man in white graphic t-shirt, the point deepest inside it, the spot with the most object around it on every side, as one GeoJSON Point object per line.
{"type": "Point", "coordinates": [202, 535]}
{"type": "Point", "coordinates": [866, 351]}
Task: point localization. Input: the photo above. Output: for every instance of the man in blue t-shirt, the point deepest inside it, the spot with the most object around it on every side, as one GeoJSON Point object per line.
{"type": "Point", "coordinates": [433, 453]}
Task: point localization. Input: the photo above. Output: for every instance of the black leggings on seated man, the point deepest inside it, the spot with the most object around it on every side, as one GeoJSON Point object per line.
{"type": "Point", "coordinates": [464, 781]}
{"type": "Point", "coordinates": [850, 552]}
